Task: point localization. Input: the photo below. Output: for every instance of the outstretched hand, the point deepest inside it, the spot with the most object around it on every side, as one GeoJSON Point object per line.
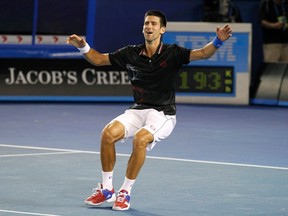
{"type": "Point", "coordinates": [76, 41]}
{"type": "Point", "coordinates": [224, 32]}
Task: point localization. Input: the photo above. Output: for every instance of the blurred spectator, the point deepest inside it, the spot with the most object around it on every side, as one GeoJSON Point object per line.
{"type": "Point", "coordinates": [273, 18]}
{"type": "Point", "coordinates": [221, 11]}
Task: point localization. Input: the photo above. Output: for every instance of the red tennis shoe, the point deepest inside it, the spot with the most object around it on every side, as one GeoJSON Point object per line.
{"type": "Point", "coordinates": [122, 202]}
{"type": "Point", "coordinates": [100, 195]}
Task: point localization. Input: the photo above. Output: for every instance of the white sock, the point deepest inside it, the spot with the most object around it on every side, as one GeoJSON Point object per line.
{"type": "Point", "coordinates": [127, 185]}
{"type": "Point", "coordinates": [107, 178]}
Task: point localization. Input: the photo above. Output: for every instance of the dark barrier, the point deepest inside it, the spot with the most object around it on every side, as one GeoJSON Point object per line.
{"type": "Point", "coordinates": [272, 88]}
{"type": "Point", "coordinates": [56, 79]}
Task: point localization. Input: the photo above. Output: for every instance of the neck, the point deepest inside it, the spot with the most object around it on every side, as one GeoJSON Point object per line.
{"type": "Point", "coordinates": [151, 47]}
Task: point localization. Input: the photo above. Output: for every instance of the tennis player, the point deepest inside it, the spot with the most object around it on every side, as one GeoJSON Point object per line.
{"type": "Point", "coordinates": [152, 68]}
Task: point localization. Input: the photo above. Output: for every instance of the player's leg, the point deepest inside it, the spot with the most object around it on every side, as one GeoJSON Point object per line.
{"type": "Point", "coordinates": [158, 127]}
{"type": "Point", "coordinates": [141, 139]}
{"type": "Point", "coordinates": [112, 132]}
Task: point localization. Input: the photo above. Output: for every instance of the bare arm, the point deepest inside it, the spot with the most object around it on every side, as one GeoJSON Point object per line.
{"type": "Point", "coordinates": [209, 49]}
{"type": "Point", "coordinates": [92, 56]}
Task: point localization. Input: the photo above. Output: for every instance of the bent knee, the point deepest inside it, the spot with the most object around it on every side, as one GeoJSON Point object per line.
{"type": "Point", "coordinates": [113, 132]}
{"type": "Point", "coordinates": [142, 138]}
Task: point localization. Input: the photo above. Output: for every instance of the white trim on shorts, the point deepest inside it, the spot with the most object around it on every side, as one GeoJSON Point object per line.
{"type": "Point", "coordinates": [157, 123]}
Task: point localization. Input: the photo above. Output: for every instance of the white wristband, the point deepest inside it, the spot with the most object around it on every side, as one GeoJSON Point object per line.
{"type": "Point", "coordinates": [84, 49]}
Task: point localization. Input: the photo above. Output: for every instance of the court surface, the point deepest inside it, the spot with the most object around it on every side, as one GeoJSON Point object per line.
{"type": "Point", "coordinates": [219, 161]}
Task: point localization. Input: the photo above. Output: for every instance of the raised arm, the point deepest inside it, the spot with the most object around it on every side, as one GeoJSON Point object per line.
{"type": "Point", "coordinates": [222, 34]}
{"type": "Point", "coordinates": [91, 55]}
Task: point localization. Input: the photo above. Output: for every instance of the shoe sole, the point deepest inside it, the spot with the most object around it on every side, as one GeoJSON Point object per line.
{"type": "Point", "coordinates": [120, 209]}
{"type": "Point", "coordinates": [116, 208]}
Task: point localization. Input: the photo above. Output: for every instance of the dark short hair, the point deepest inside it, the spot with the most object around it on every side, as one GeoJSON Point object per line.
{"type": "Point", "coordinates": [163, 20]}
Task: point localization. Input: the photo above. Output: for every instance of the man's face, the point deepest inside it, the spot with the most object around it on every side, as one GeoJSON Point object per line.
{"type": "Point", "coordinates": [152, 29]}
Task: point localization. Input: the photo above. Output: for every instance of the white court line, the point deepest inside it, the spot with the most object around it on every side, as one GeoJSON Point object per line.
{"type": "Point", "coordinates": [36, 154]}
{"type": "Point", "coordinates": [151, 157]}
{"type": "Point", "coordinates": [38, 148]}
{"type": "Point", "coordinates": [220, 163]}
{"type": "Point", "coordinates": [26, 213]}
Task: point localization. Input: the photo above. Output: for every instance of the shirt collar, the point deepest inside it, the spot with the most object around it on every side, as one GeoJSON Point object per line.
{"type": "Point", "coordinates": [159, 49]}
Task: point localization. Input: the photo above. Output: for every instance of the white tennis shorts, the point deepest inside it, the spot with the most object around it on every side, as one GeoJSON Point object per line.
{"type": "Point", "coordinates": [157, 123]}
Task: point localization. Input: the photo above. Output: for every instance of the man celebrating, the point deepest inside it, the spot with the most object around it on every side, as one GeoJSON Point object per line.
{"type": "Point", "coordinates": [152, 68]}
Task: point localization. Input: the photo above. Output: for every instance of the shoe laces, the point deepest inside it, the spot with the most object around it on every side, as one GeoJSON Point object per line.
{"type": "Point", "coordinates": [122, 196]}
{"type": "Point", "coordinates": [98, 189]}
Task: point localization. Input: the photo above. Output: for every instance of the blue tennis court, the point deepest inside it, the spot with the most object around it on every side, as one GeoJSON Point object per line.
{"type": "Point", "coordinates": [220, 160]}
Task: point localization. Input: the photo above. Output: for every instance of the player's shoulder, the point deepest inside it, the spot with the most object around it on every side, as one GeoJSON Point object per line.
{"type": "Point", "coordinates": [129, 49]}
{"type": "Point", "coordinates": [135, 46]}
{"type": "Point", "coordinates": [132, 48]}
{"type": "Point", "coordinates": [174, 47]}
